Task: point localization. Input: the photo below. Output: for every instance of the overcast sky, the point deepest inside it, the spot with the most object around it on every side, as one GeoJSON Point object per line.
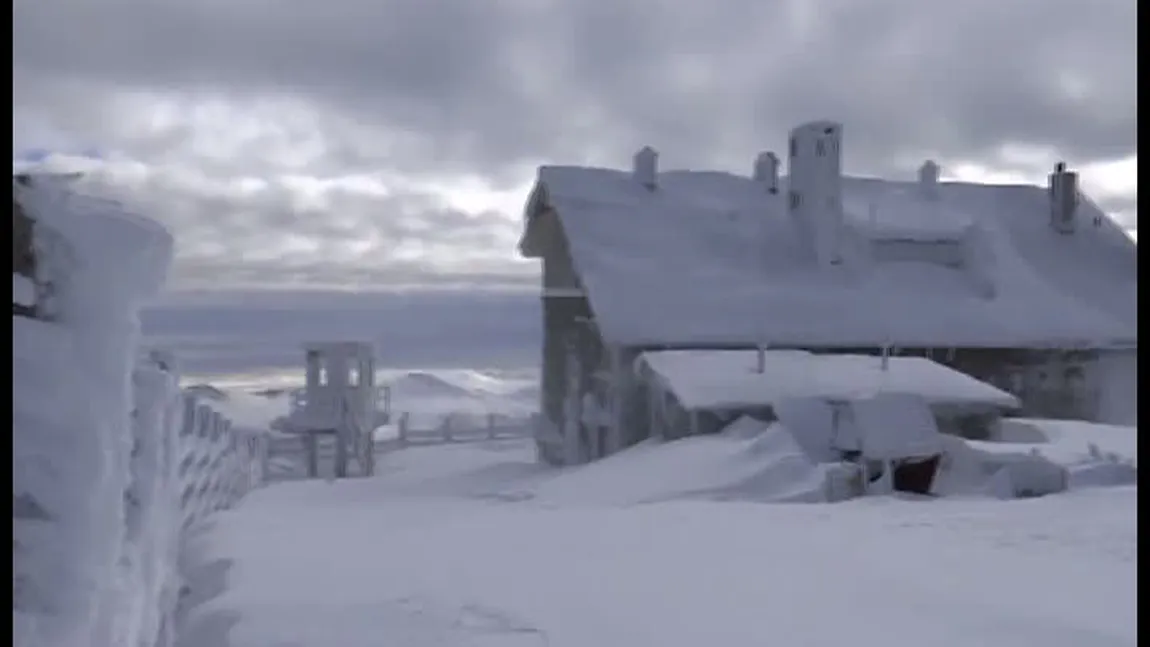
{"type": "Point", "coordinates": [391, 142]}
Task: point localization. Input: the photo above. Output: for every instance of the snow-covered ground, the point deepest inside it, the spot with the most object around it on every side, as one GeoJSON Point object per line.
{"type": "Point", "coordinates": [479, 545]}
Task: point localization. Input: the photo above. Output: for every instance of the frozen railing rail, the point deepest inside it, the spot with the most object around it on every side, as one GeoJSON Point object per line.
{"type": "Point", "coordinates": [459, 427]}
{"type": "Point", "coordinates": [188, 462]}
{"type": "Point", "coordinates": [294, 458]}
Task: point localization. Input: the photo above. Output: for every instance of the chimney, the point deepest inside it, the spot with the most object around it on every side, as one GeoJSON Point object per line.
{"type": "Point", "coordinates": [767, 171]}
{"type": "Point", "coordinates": [1063, 194]}
{"type": "Point", "coordinates": [814, 187]}
{"type": "Point", "coordinates": [928, 180]}
{"type": "Point", "coordinates": [645, 168]}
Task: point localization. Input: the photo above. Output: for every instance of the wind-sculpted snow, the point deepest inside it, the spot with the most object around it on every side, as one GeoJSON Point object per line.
{"type": "Point", "coordinates": [108, 471]}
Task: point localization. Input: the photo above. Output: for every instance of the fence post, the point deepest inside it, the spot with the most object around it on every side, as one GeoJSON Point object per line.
{"type": "Point", "coordinates": [491, 426]}
{"type": "Point", "coordinates": [369, 456]}
{"type": "Point", "coordinates": [311, 446]}
{"type": "Point", "coordinates": [403, 429]}
{"type": "Point", "coordinates": [446, 429]}
{"type": "Point", "coordinates": [341, 452]}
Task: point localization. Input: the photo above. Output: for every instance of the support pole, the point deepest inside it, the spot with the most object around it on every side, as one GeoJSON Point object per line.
{"type": "Point", "coordinates": [311, 448]}
{"type": "Point", "coordinates": [341, 453]}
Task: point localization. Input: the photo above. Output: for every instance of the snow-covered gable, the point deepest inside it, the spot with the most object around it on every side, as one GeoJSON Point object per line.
{"type": "Point", "coordinates": [729, 379]}
{"type": "Point", "coordinates": [713, 258]}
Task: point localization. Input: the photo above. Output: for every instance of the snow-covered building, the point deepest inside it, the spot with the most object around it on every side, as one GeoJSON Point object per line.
{"type": "Point", "coordinates": [1032, 289]}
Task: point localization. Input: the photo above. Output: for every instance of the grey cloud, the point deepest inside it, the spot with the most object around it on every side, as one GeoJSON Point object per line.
{"type": "Point", "coordinates": [414, 88]}
{"type": "Point", "coordinates": [284, 234]}
{"type": "Point", "coordinates": [494, 83]}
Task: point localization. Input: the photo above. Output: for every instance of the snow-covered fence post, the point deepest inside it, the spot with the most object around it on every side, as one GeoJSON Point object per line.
{"type": "Point", "coordinates": [402, 428]}
{"type": "Point", "coordinates": [311, 448]}
{"type": "Point", "coordinates": [446, 429]}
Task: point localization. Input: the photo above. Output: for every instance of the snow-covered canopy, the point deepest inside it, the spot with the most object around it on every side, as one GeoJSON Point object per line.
{"type": "Point", "coordinates": [714, 258]}
{"type": "Point", "coordinates": [729, 379]}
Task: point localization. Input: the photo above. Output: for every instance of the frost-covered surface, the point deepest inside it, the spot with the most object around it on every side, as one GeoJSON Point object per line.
{"type": "Point", "coordinates": [71, 420]}
{"type": "Point", "coordinates": [1118, 381]}
{"type": "Point", "coordinates": [1067, 441]}
{"type": "Point", "coordinates": [895, 425]}
{"type": "Point", "coordinates": [713, 258]}
{"type": "Point", "coordinates": [729, 379]}
{"type": "Point", "coordinates": [97, 473]}
{"type": "Point", "coordinates": [476, 545]}
{"type": "Point", "coordinates": [23, 290]}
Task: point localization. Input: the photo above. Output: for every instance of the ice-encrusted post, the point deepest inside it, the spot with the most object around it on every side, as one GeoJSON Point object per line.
{"type": "Point", "coordinates": [761, 358]}
{"type": "Point", "coordinates": [767, 171]}
{"type": "Point", "coordinates": [886, 356]}
{"type": "Point", "coordinates": [1063, 190]}
{"type": "Point", "coordinates": [73, 413]}
{"type": "Point", "coordinates": [928, 180]}
{"type": "Point", "coordinates": [645, 167]}
{"type": "Point", "coordinates": [814, 186]}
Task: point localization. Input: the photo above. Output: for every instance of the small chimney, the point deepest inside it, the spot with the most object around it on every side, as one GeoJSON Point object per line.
{"type": "Point", "coordinates": [767, 171]}
{"type": "Point", "coordinates": [928, 180]}
{"type": "Point", "coordinates": [1063, 193]}
{"type": "Point", "coordinates": [646, 168]}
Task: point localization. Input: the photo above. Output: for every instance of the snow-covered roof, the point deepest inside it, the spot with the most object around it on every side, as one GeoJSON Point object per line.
{"type": "Point", "coordinates": [729, 379]}
{"type": "Point", "coordinates": [712, 258]}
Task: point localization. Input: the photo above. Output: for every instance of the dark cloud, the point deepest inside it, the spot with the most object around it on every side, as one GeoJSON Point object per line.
{"type": "Point", "coordinates": [458, 88]}
{"type": "Point", "coordinates": [243, 331]}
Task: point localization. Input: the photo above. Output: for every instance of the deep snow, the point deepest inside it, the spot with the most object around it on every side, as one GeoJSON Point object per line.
{"type": "Point", "coordinates": [479, 545]}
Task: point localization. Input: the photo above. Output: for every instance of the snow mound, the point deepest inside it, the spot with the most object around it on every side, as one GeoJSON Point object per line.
{"type": "Point", "coordinates": [1070, 442]}
{"type": "Point", "coordinates": [207, 392]}
{"type": "Point", "coordinates": [984, 468]}
{"type": "Point", "coordinates": [750, 460]}
{"type": "Point", "coordinates": [385, 433]}
{"type": "Point", "coordinates": [418, 384]}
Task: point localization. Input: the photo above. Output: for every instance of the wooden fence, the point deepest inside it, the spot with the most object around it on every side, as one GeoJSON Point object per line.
{"type": "Point", "coordinates": [291, 456]}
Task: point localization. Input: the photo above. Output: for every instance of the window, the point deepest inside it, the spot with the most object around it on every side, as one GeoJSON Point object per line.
{"type": "Point", "coordinates": [794, 147]}
{"type": "Point", "coordinates": [353, 377]}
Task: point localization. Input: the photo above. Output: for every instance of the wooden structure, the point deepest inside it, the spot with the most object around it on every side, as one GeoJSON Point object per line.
{"type": "Point", "coordinates": [635, 260]}
{"type": "Point", "coordinates": [339, 400]}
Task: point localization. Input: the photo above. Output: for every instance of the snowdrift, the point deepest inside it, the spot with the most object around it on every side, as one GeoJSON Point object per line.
{"type": "Point", "coordinates": [750, 460]}
{"type": "Point", "coordinates": [772, 462]}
